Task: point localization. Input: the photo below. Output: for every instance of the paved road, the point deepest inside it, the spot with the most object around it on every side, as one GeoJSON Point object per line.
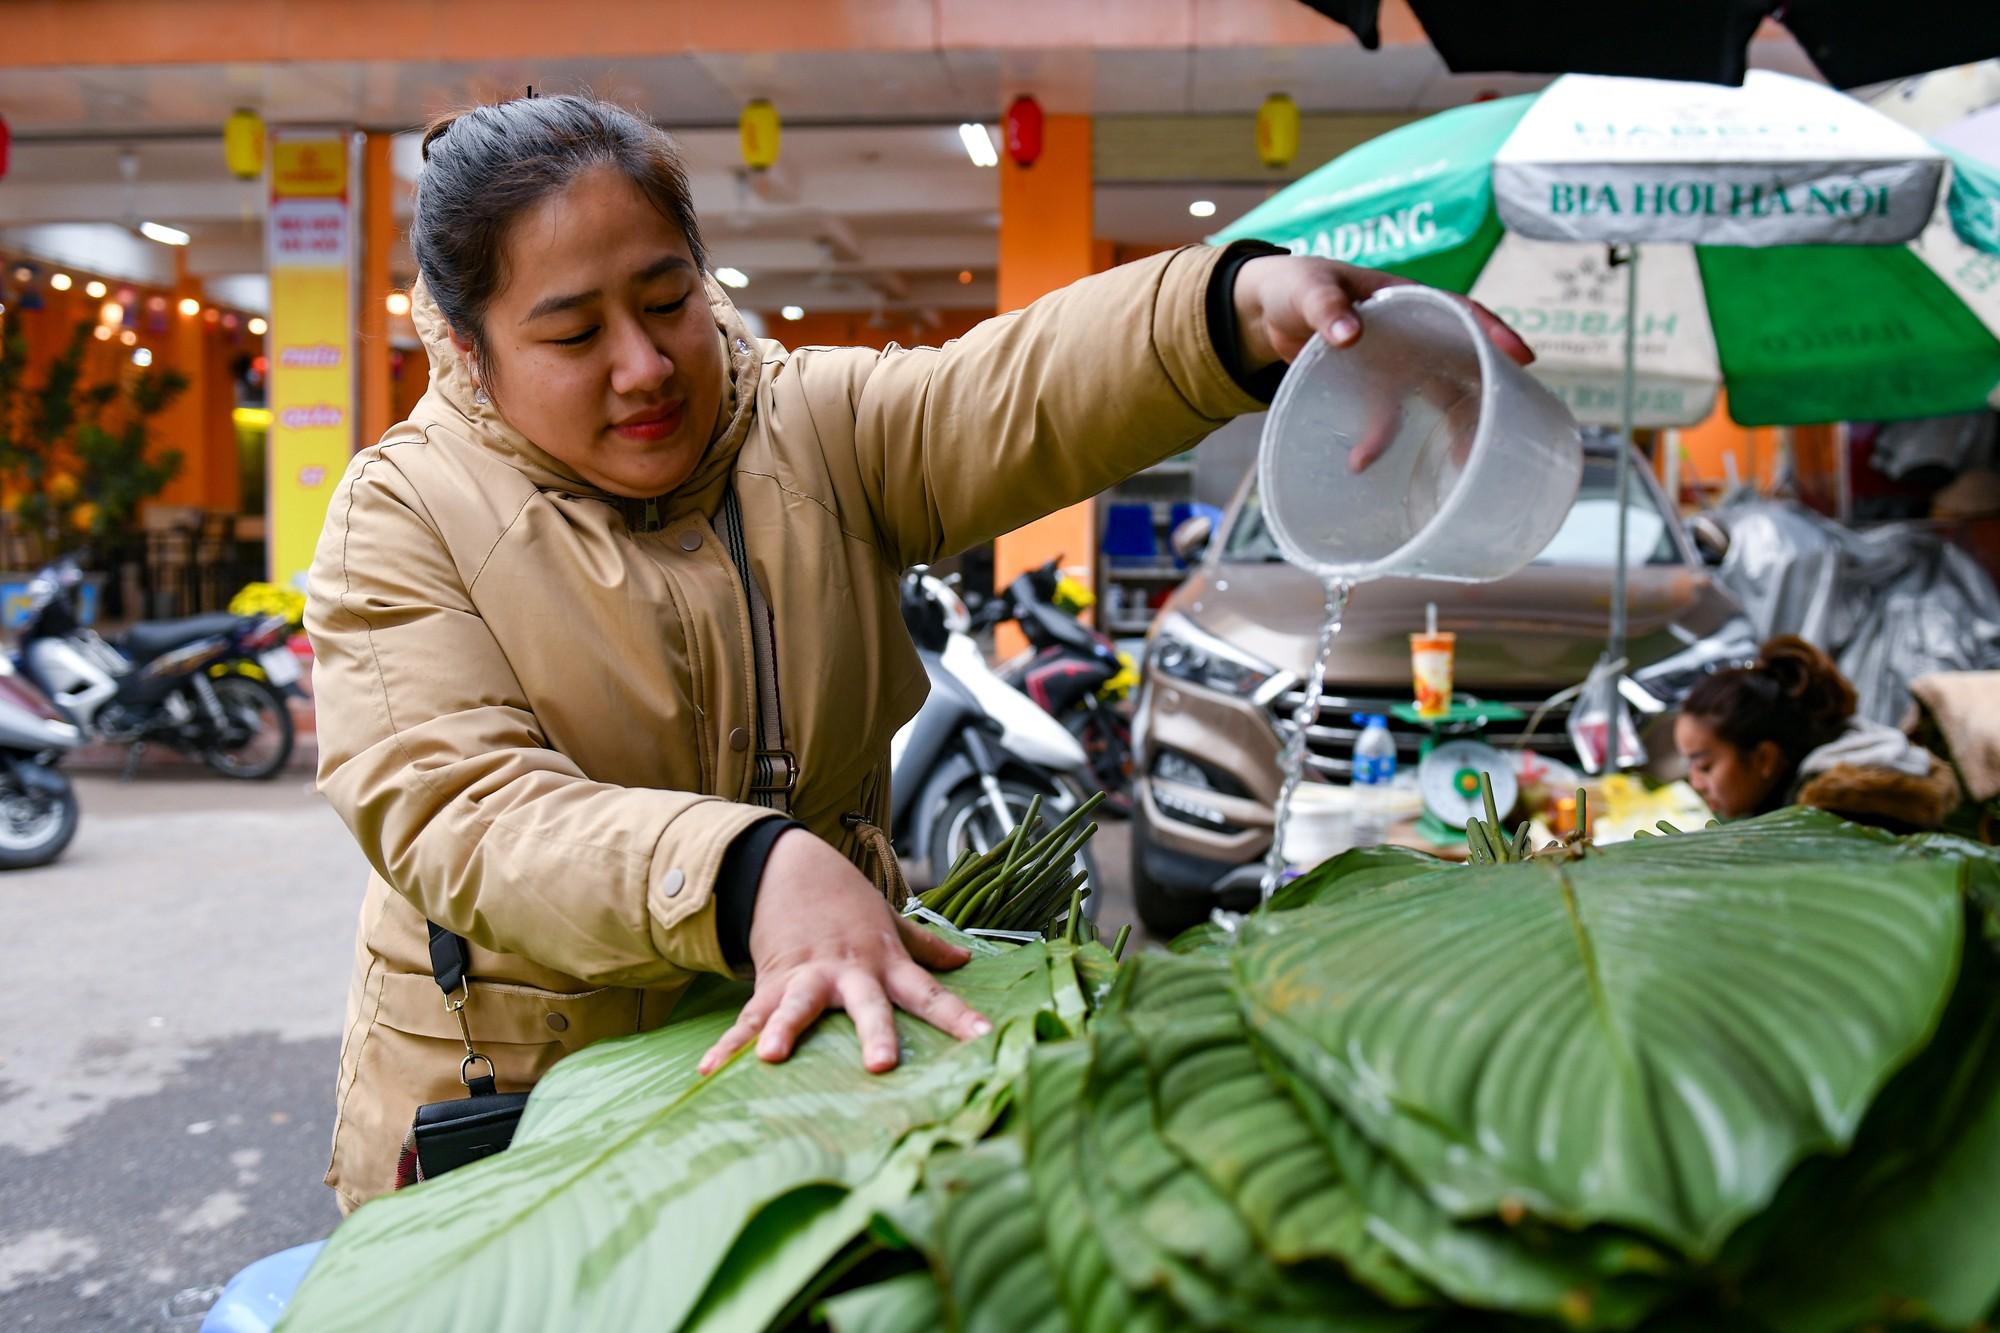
{"type": "Point", "coordinates": [176, 983]}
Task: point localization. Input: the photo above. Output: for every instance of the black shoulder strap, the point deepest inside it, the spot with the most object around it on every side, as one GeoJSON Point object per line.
{"type": "Point", "coordinates": [776, 770]}
{"type": "Point", "coordinates": [451, 958]}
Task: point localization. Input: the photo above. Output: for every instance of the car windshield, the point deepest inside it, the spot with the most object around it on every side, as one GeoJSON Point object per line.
{"type": "Point", "coordinates": [1588, 536]}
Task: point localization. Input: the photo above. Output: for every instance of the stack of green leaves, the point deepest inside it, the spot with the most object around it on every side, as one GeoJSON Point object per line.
{"type": "Point", "coordinates": [1746, 1079]}
{"type": "Point", "coordinates": [1029, 881]}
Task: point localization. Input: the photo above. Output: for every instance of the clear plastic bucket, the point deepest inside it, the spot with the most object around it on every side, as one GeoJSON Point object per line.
{"type": "Point", "coordinates": [1419, 452]}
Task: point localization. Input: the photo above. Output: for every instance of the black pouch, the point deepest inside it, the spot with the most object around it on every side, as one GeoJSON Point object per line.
{"type": "Point", "coordinates": [446, 1135]}
{"type": "Point", "coordinates": [450, 1134]}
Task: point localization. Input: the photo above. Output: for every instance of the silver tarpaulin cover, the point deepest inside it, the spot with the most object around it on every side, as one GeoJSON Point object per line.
{"type": "Point", "coordinates": [1891, 603]}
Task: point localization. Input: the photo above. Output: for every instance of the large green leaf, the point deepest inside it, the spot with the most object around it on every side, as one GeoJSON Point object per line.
{"type": "Point", "coordinates": [622, 1220]}
{"type": "Point", "coordinates": [1651, 1036]}
{"type": "Point", "coordinates": [1588, 1281]}
{"type": "Point", "coordinates": [1218, 1109]}
{"type": "Point", "coordinates": [1354, 871]}
{"type": "Point", "coordinates": [989, 1243]}
{"type": "Point", "coordinates": [1907, 1225]}
{"type": "Point", "coordinates": [1064, 1184]}
{"type": "Point", "coordinates": [906, 1304]}
{"type": "Point", "coordinates": [1166, 1228]}
{"type": "Point", "coordinates": [1980, 865]}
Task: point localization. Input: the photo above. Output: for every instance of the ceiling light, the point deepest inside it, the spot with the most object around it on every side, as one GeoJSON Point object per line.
{"type": "Point", "coordinates": [102, 333]}
{"type": "Point", "coordinates": [190, 307]}
{"type": "Point", "coordinates": [793, 312]}
{"type": "Point", "coordinates": [59, 281]}
{"type": "Point", "coordinates": [258, 328]}
{"type": "Point", "coordinates": [128, 337]}
{"type": "Point", "coordinates": [153, 231]}
{"type": "Point", "coordinates": [964, 276]}
{"type": "Point", "coordinates": [22, 273]}
{"type": "Point", "coordinates": [732, 277]}
{"type": "Point", "coordinates": [978, 145]}
{"type": "Point", "coordinates": [110, 313]}
{"type": "Point", "coordinates": [142, 357]}
{"type": "Point", "coordinates": [95, 290]}
{"type": "Point", "coordinates": [1202, 208]}
{"type": "Point", "coordinates": [398, 303]}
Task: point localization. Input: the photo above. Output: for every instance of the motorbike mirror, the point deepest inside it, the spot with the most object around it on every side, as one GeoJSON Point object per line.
{"type": "Point", "coordinates": [1711, 539]}
{"type": "Point", "coordinates": [1192, 536]}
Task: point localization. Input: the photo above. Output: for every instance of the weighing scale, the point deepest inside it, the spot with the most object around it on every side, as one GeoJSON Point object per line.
{"type": "Point", "coordinates": [1453, 756]}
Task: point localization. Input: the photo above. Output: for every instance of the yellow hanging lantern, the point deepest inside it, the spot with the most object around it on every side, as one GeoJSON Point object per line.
{"type": "Point", "coordinates": [760, 129]}
{"type": "Point", "coordinates": [243, 144]}
{"type": "Point", "coordinates": [1277, 130]}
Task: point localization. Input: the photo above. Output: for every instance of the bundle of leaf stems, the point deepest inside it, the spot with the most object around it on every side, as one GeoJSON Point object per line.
{"type": "Point", "coordinates": [1488, 844]}
{"type": "Point", "coordinates": [1027, 882]}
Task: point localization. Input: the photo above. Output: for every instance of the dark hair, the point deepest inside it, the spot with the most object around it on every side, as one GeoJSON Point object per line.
{"type": "Point", "coordinates": [1794, 697]}
{"type": "Point", "coordinates": [484, 167]}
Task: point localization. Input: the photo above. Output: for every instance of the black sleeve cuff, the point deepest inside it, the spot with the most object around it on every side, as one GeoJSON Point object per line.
{"type": "Point", "coordinates": [1221, 305]}
{"type": "Point", "coordinates": [736, 886]}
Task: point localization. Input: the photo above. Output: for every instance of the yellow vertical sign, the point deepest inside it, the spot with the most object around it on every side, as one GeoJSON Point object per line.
{"type": "Point", "coordinates": [310, 244]}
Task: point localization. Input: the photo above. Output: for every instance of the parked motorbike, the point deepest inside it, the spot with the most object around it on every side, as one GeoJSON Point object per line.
{"type": "Point", "coordinates": [964, 770]}
{"type": "Point", "coordinates": [213, 686]}
{"type": "Point", "coordinates": [1074, 672]}
{"type": "Point", "coordinates": [38, 810]}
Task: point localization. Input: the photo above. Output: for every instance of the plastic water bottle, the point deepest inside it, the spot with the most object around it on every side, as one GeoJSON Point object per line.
{"type": "Point", "coordinates": [1374, 770]}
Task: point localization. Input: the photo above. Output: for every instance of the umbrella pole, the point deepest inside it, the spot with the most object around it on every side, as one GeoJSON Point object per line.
{"type": "Point", "coordinates": [1626, 413]}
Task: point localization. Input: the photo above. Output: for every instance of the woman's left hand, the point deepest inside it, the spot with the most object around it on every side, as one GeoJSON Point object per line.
{"type": "Point", "coordinates": [821, 937]}
{"type": "Point", "coordinates": [1283, 300]}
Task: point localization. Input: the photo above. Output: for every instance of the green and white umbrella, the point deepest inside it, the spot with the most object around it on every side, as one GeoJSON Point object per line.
{"type": "Point", "coordinates": [1821, 261]}
{"type": "Point", "coordinates": [1798, 247]}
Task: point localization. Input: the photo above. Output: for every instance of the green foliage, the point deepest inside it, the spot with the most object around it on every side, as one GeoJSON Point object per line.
{"type": "Point", "coordinates": [1746, 1078]}
{"type": "Point", "coordinates": [75, 455]}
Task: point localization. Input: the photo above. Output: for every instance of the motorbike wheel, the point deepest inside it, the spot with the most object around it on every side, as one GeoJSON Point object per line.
{"type": "Point", "coordinates": [968, 821]}
{"type": "Point", "coordinates": [259, 738]}
{"type": "Point", "coordinates": [35, 825]}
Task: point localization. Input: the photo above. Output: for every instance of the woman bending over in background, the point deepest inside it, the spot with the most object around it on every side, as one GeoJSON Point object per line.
{"type": "Point", "coordinates": [1784, 732]}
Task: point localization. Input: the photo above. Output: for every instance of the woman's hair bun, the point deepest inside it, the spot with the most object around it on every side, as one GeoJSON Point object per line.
{"type": "Point", "coordinates": [1808, 679]}
{"type": "Point", "coordinates": [436, 128]}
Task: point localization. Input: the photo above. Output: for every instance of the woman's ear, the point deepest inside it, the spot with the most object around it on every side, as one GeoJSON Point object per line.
{"type": "Point", "coordinates": [465, 349]}
{"type": "Point", "coordinates": [1767, 760]}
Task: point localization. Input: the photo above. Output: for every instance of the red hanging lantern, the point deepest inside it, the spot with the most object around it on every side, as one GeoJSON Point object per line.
{"type": "Point", "coordinates": [6, 138]}
{"type": "Point", "coordinates": [1023, 124]}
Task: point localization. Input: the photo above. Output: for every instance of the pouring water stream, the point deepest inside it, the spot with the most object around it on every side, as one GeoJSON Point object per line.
{"type": "Point", "coordinates": [1292, 759]}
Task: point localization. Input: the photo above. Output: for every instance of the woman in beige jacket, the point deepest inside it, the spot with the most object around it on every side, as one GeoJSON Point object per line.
{"type": "Point", "coordinates": [538, 705]}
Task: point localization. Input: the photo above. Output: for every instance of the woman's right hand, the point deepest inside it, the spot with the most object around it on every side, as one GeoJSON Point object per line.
{"type": "Point", "coordinates": [821, 937]}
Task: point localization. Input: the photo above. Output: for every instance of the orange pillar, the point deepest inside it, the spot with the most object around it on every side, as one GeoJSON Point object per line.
{"type": "Point", "coordinates": [1046, 243]}
{"type": "Point", "coordinates": [378, 184]}
{"type": "Point", "coordinates": [184, 423]}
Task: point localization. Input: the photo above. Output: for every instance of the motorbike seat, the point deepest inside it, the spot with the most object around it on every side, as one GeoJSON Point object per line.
{"type": "Point", "coordinates": [1066, 630]}
{"type": "Point", "coordinates": [150, 638]}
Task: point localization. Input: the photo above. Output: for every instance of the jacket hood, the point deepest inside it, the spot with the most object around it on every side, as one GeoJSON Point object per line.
{"type": "Point", "coordinates": [451, 395]}
{"type": "Point", "coordinates": [1869, 744]}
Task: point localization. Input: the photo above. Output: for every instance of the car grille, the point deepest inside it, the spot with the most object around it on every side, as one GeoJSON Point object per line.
{"type": "Point", "coordinates": [1330, 744]}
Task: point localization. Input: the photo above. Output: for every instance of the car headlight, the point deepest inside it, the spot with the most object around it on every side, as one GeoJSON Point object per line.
{"type": "Point", "coordinates": [1183, 651]}
{"type": "Point", "coordinates": [1669, 679]}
